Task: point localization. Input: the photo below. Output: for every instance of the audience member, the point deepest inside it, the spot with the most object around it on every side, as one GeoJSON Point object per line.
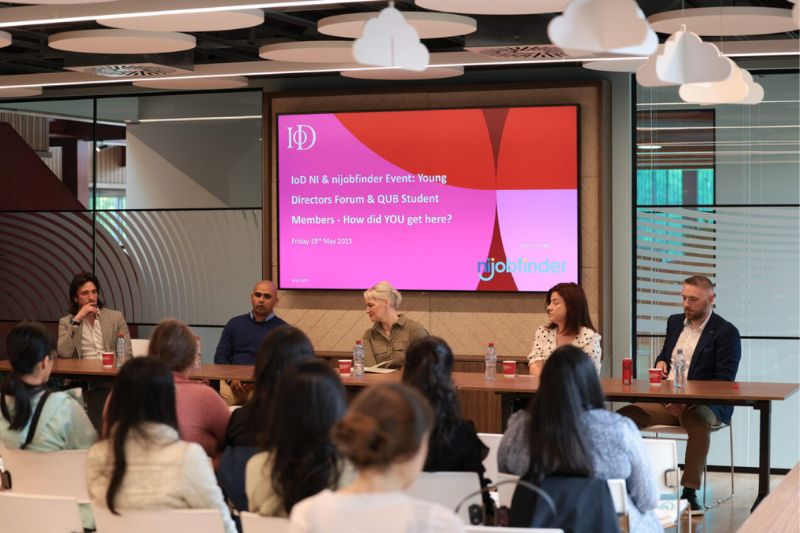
{"type": "Point", "coordinates": [141, 463]}
{"type": "Point", "coordinates": [386, 341]}
{"type": "Point", "coordinates": [299, 459]}
{"type": "Point", "coordinates": [385, 436]}
{"type": "Point", "coordinates": [243, 335]}
{"type": "Point", "coordinates": [34, 418]}
{"type": "Point", "coordinates": [712, 349]}
{"type": "Point", "coordinates": [202, 415]}
{"type": "Point", "coordinates": [281, 349]}
{"type": "Point", "coordinates": [570, 323]}
{"type": "Point", "coordinates": [567, 431]}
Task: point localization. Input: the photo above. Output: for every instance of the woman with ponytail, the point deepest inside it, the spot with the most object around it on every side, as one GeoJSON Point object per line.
{"type": "Point", "coordinates": [385, 436]}
{"type": "Point", "coordinates": [31, 417]}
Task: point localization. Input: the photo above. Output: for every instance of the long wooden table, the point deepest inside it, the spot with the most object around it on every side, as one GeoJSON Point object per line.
{"type": "Point", "coordinates": [759, 396]}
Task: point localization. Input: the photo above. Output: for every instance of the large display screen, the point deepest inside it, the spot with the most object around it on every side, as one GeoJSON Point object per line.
{"type": "Point", "coordinates": [478, 199]}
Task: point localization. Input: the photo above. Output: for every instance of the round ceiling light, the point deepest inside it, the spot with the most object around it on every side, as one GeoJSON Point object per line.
{"type": "Point", "coordinates": [5, 39]}
{"type": "Point", "coordinates": [121, 42]}
{"type": "Point", "coordinates": [428, 25]}
{"type": "Point", "coordinates": [194, 84]}
{"type": "Point", "coordinates": [17, 92]}
{"type": "Point", "coordinates": [217, 21]}
{"type": "Point", "coordinates": [431, 73]}
{"type": "Point", "coordinates": [725, 21]}
{"type": "Point", "coordinates": [495, 7]}
{"type": "Point", "coordinates": [309, 52]}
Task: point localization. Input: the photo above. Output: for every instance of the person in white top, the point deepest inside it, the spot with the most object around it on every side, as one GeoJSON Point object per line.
{"type": "Point", "coordinates": [385, 436]}
{"type": "Point", "coordinates": [570, 323]}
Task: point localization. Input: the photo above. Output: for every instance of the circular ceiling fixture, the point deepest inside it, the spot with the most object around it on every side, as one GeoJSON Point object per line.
{"type": "Point", "coordinates": [17, 92]}
{"type": "Point", "coordinates": [428, 25]}
{"type": "Point", "coordinates": [495, 7]}
{"type": "Point", "coordinates": [431, 73]}
{"type": "Point", "coordinates": [121, 42]}
{"type": "Point", "coordinates": [5, 39]}
{"type": "Point", "coordinates": [618, 65]}
{"type": "Point", "coordinates": [217, 21]}
{"type": "Point", "coordinates": [194, 84]}
{"type": "Point", "coordinates": [309, 52]}
{"type": "Point", "coordinates": [725, 21]}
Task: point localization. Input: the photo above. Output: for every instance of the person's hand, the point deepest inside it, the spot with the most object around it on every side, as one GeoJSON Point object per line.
{"type": "Point", "coordinates": [88, 309]}
{"type": "Point", "coordinates": [663, 367]}
{"type": "Point", "coordinates": [237, 387]}
{"type": "Point", "coordinates": [535, 367]}
{"type": "Point", "coordinates": [675, 409]}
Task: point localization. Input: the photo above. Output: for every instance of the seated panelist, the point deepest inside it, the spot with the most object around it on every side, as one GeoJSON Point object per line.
{"type": "Point", "coordinates": [386, 341]}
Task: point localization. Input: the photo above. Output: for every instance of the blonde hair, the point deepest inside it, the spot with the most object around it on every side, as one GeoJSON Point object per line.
{"type": "Point", "coordinates": [383, 290]}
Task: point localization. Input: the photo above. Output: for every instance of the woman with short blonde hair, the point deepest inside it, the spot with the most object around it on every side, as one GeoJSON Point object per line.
{"type": "Point", "coordinates": [386, 341]}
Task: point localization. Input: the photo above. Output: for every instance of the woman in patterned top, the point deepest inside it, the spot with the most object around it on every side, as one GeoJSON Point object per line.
{"type": "Point", "coordinates": [569, 323]}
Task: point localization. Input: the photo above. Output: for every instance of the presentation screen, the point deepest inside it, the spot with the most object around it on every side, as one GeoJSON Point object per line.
{"type": "Point", "coordinates": [477, 199]}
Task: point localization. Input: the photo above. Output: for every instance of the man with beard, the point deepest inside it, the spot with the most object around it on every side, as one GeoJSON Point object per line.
{"type": "Point", "coordinates": [712, 348]}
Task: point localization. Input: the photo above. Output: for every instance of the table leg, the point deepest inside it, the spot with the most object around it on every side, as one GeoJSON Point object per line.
{"type": "Point", "coordinates": [764, 407]}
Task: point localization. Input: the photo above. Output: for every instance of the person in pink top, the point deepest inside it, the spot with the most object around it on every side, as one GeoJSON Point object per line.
{"type": "Point", "coordinates": [202, 414]}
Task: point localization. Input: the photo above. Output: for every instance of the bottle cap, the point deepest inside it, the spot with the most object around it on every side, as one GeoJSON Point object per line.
{"type": "Point", "coordinates": [358, 341]}
{"type": "Point", "coordinates": [120, 334]}
{"type": "Point", "coordinates": [491, 345]}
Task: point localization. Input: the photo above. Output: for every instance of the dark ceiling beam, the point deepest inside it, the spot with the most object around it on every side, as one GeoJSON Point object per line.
{"type": "Point", "coordinates": [28, 65]}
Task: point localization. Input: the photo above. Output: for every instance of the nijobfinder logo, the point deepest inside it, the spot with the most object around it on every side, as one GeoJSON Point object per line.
{"type": "Point", "coordinates": [487, 269]}
{"type": "Point", "coordinates": [301, 137]}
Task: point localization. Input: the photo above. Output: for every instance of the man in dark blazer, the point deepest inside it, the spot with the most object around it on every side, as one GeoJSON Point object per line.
{"type": "Point", "coordinates": [712, 349]}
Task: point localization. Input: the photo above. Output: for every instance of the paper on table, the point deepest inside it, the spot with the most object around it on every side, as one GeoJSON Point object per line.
{"type": "Point", "coordinates": [377, 369]}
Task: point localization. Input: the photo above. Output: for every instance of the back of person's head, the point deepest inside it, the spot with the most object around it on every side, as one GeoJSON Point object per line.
{"type": "Point", "coordinates": [81, 279]}
{"type": "Point", "coordinates": [282, 348]}
{"type": "Point", "coordinates": [27, 345]}
{"type": "Point", "coordinates": [309, 400]}
{"type": "Point", "coordinates": [568, 388]}
{"type": "Point", "coordinates": [143, 392]}
{"type": "Point", "coordinates": [385, 425]}
{"type": "Point", "coordinates": [383, 290]}
{"type": "Point", "coordinates": [577, 307]}
{"type": "Point", "coordinates": [428, 368]}
{"type": "Point", "coordinates": [174, 344]}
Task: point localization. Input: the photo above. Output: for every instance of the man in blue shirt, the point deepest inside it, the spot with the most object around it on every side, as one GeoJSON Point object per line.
{"type": "Point", "coordinates": [243, 335]}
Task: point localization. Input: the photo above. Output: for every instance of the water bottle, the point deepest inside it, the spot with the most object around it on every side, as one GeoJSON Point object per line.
{"type": "Point", "coordinates": [680, 370]}
{"type": "Point", "coordinates": [197, 364]}
{"type": "Point", "coordinates": [491, 363]}
{"type": "Point", "coordinates": [358, 359]}
{"type": "Point", "coordinates": [121, 355]}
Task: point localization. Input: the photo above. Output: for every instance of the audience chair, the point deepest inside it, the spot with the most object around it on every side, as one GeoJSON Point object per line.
{"type": "Point", "coordinates": [492, 529]}
{"type": "Point", "coordinates": [33, 513]}
{"type": "Point", "coordinates": [139, 347]}
{"type": "Point", "coordinates": [47, 473]}
{"type": "Point", "coordinates": [448, 489]}
{"type": "Point", "coordinates": [674, 431]}
{"type": "Point", "coordinates": [663, 455]}
{"type": "Point", "coordinates": [128, 521]}
{"type": "Point", "coordinates": [492, 441]}
{"type": "Point", "coordinates": [505, 491]}
{"type": "Point", "coordinates": [619, 493]}
{"type": "Point", "coordinates": [255, 523]}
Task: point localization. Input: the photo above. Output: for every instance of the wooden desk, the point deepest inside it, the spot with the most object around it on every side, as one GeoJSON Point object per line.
{"type": "Point", "coordinates": [779, 512]}
{"type": "Point", "coordinates": [93, 368]}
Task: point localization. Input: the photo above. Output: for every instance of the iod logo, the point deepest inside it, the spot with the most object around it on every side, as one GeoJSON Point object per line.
{"type": "Point", "coordinates": [301, 137]}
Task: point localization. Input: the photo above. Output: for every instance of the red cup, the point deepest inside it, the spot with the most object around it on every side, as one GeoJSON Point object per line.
{"type": "Point", "coordinates": [655, 376]}
{"type": "Point", "coordinates": [108, 359]}
{"type": "Point", "coordinates": [627, 371]}
{"type": "Point", "coordinates": [345, 366]}
{"type": "Point", "coordinates": [509, 368]}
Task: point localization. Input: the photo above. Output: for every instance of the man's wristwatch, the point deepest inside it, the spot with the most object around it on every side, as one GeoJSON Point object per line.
{"type": "Point", "coordinates": [75, 322]}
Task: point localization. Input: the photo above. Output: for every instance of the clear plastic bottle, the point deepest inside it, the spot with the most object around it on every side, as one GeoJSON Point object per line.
{"type": "Point", "coordinates": [197, 364]}
{"type": "Point", "coordinates": [358, 359]}
{"type": "Point", "coordinates": [680, 370]}
{"type": "Point", "coordinates": [121, 353]}
{"type": "Point", "coordinates": [491, 363]}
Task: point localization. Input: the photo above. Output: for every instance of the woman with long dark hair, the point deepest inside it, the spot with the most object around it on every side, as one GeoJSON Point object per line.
{"type": "Point", "coordinates": [453, 445]}
{"type": "Point", "coordinates": [62, 423]}
{"type": "Point", "coordinates": [281, 349]}
{"type": "Point", "coordinates": [569, 324]}
{"type": "Point", "coordinates": [299, 459]}
{"type": "Point", "coordinates": [141, 463]}
{"type": "Point", "coordinates": [568, 432]}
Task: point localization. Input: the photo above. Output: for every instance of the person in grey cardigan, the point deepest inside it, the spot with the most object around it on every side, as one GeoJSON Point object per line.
{"type": "Point", "coordinates": [612, 442]}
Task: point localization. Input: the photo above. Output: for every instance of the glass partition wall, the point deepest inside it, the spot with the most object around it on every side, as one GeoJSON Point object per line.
{"type": "Point", "coordinates": [717, 192]}
{"type": "Point", "coordinates": [159, 195]}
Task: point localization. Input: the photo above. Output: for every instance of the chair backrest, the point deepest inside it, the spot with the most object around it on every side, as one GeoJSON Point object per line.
{"type": "Point", "coordinates": [493, 529]}
{"type": "Point", "coordinates": [663, 455]}
{"type": "Point", "coordinates": [47, 473]}
{"type": "Point", "coordinates": [505, 492]}
{"type": "Point", "coordinates": [619, 493]}
{"type": "Point", "coordinates": [139, 347]}
{"type": "Point", "coordinates": [128, 521]}
{"type": "Point", "coordinates": [448, 489]}
{"type": "Point", "coordinates": [254, 523]}
{"type": "Point", "coordinates": [492, 441]}
{"type": "Point", "coordinates": [33, 513]}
